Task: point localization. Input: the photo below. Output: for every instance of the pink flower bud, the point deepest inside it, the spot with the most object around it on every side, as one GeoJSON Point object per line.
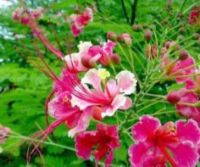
{"type": "Point", "coordinates": [152, 51]}
{"type": "Point", "coordinates": [173, 97]}
{"type": "Point", "coordinates": [148, 35]}
{"type": "Point", "coordinates": [126, 38]}
{"type": "Point", "coordinates": [183, 55]}
{"type": "Point", "coordinates": [112, 36]}
{"type": "Point", "coordinates": [137, 27]}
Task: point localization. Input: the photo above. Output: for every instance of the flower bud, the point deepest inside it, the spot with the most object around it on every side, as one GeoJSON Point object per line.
{"type": "Point", "coordinates": [96, 113]}
{"type": "Point", "coordinates": [112, 36]}
{"type": "Point", "coordinates": [152, 51]}
{"type": "Point", "coordinates": [183, 55]}
{"type": "Point", "coordinates": [137, 27]}
{"type": "Point", "coordinates": [126, 38]}
{"type": "Point", "coordinates": [173, 97]}
{"type": "Point", "coordinates": [148, 35]}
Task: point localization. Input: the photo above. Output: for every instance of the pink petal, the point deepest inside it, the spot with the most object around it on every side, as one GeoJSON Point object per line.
{"type": "Point", "coordinates": [126, 82]}
{"type": "Point", "coordinates": [82, 124]}
{"type": "Point", "coordinates": [84, 143]}
{"type": "Point", "coordinates": [112, 88]}
{"type": "Point", "coordinates": [127, 104]}
{"type": "Point", "coordinates": [118, 102]}
{"type": "Point", "coordinates": [137, 154]}
{"type": "Point", "coordinates": [145, 127]}
{"type": "Point", "coordinates": [186, 155]}
{"type": "Point", "coordinates": [188, 131]}
{"type": "Point", "coordinates": [92, 78]}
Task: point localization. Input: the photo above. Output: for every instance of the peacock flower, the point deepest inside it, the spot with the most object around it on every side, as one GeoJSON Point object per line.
{"type": "Point", "coordinates": [172, 144]}
{"type": "Point", "coordinates": [110, 95]}
{"type": "Point", "coordinates": [100, 143]}
{"type": "Point", "coordinates": [79, 21]}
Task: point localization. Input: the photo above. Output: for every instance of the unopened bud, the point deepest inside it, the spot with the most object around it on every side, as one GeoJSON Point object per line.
{"type": "Point", "coordinates": [112, 36]}
{"type": "Point", "coordinates": [148, 35]}
{"type": "Point", "coordinates": [173, 97]}
{"type": "Point", "coordinates": [126, 38]}
{"type": "Point", "coordinates": [137, 27]}
{"type": "Point", "coordinates": [183, 55]}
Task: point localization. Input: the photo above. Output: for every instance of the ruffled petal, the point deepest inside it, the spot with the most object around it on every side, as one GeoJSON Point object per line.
{"type": "Point", "coordinates": [84, 143]}
{"type": "Point", "coordinates": [188, 131]}
{"type": "Point", "coordinates": [127, 104]}
{"type": "Point", "coordinates": [145, 127]}
{"type": "Point", "coordinates": [137, 154]}
{"type": "Point", "coordinates": [82, 124]}
{"type": "Point", "coordinates": [92, 78]}
{"type": "Point", "coordinates": [185, 154]}
{"type": "Point", "coordinates": [117, 102]}
{"type": "Point", "coordinates": [126, 82]}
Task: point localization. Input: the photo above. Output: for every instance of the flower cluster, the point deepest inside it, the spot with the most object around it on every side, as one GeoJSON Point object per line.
{"type": "Point", "coordinates": [89, 55]}
{"type": "Point", "coordinates": [90, 90]}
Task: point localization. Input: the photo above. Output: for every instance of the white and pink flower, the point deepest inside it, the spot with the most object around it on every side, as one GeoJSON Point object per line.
{"type": "Point", "coordinates": [109, 95]}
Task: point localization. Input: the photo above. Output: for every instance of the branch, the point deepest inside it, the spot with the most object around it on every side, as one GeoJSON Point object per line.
{"type": "Point", "coordinates": [133, 15]}
{"type": "Point", "coordinates": [124, 11]}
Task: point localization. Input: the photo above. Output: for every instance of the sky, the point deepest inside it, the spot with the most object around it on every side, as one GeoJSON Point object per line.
{"type": "Point", "coordinates": [5, 3]}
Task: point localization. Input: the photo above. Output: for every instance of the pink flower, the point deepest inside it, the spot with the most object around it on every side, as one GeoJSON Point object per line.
{"type": "Point", "coordinates": [109, 98]}
{"type": "Point", "coordinates": [89, 55]}
{"type": "Point", "coordinates": [60, 106]}
{"type": "Point", "coordinates": [187, 103]}
{"type": "Point", "coordinates": [74, 60]}
{"type": "Point", "coordinates": [180, 69]}
{"type": "Point", "coordinates": [25, 15]}
{"type": "Point", "coordinates": [107, 55]}
{"type": "Point", "coordinates": [174, 144]}
{"type": "Point", "coordinates": [99, 143]}
{"type": "Point", "coordinates": [79, 21]}
{"type": "Point", "coordinates": [4, 132]}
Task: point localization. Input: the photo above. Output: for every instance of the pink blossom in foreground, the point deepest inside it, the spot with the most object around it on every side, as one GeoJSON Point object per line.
{"type": "Point", "coordinates": [159, 145]}
{"type": "Point", "coordinates": [79, 21]}
{"type": "Point", "coordinates": [4, 132]}
{"type": "Point", "coordinates": [109, 97]}
{"type": "Point", "coordinates": [99, 143]}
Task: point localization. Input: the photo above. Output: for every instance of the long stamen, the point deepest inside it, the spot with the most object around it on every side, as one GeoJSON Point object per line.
{"type": "Point", "coordinates": [38, 32]}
